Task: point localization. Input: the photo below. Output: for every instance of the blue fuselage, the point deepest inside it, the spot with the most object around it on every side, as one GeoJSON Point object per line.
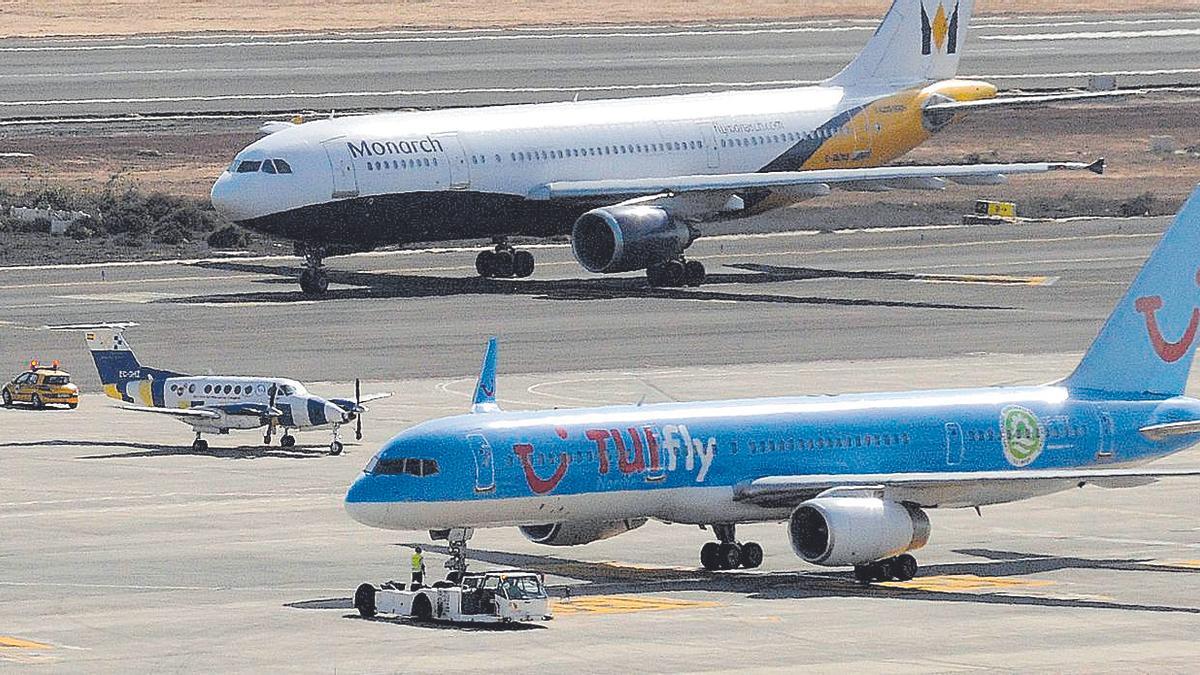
{"type": "Point", "coordinates": [681, 462]}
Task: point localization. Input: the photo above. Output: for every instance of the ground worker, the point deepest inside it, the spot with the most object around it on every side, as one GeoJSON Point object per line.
{"type": "Point", "coordinates": [418, 568]}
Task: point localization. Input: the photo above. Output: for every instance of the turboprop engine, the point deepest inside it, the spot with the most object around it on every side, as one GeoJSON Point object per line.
{"type": "Point", "coordinates": [837, 531]}
{"type": "Point", "coordinates": [628, 237]}
{"type": "Point", "coordinates": [576, 533]}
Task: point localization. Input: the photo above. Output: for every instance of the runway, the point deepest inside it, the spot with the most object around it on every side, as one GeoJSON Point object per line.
{"type": "Point", "coordinates": [396, 69]}
{"type": "Point", "coordinates": [125, 550]}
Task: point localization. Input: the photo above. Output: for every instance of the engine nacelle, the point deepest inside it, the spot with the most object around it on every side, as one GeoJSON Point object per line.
{"type": "Point", "coordinates": [627, 238]}
{"type": "Point", "coordinates": [836, 531]}
{"type": "Point", "coordinates": [576, 533]}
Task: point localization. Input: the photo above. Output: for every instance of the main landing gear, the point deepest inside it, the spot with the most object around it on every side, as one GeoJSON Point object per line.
{"type": "Point", "coordinates": [901, 568]}
{"type": "Point", "coordinates": [728, 554]}
{"type": "Point", "coordinates": [676, 273]}
{"type": "Point", "coordinates": [314, 280]}
{"type": "Point", "coordinates": [504, 262]}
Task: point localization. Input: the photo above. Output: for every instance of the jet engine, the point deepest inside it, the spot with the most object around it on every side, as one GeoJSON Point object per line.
{"type": "Point", "coordinates": [576, 533]}
{"type": "Point", "coordinates": [626, 238]}
{"type": "Point", "coordinates": [836, 531]}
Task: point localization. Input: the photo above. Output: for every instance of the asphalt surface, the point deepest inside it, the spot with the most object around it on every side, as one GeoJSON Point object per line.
{"type": "Point", "coordinates": [394, 69]}
{"type": "Point", "coordinates": [772, 297]}
{"type": "Point", "coordinates": [125, 550]}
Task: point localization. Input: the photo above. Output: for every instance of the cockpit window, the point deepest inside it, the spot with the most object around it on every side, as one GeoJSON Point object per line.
{"type": "Point", "coordinates": [287, 389]}
{"type": "Point", "coordinates": [402, 465]}
{"type": "Point", "coordinates": [249, 166]}
{"type": "Point", "coordinates": [282, 166]}
{"type": "Point", "coordinates": [268, 166]}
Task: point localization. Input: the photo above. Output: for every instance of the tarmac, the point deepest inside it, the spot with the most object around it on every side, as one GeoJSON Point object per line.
{"type": "Point", "coordinates": [126, 550]}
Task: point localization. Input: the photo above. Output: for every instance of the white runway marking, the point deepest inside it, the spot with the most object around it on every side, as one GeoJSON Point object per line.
{"type": "Point", "coordinates": [1096, 35]}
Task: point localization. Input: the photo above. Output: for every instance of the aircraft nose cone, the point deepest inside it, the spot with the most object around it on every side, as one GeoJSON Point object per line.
{"type": "Point", "coordinates": [229, 200]}
{"type": "Point", "coordinates": [361, 503]}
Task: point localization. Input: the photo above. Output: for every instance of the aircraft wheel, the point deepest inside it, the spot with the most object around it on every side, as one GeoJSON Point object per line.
{"type": "Point", "coordinates": [522, 264]}
{"type": "Point", "coordinates": [37, 402]}
{"type": "Point", "coordinates": [673, 273]}
{"type": "Point", "coordinates": [7, 399]}
{"type": "Point", "coordinates": [72, 406]}
{"type": "Point", "coordinates": [655, 277]}
{"type": "Point", "coordinates": [502, 264]}
{"type": "Point", "coordinates": [335, 448]}
{"type": "Point", "coordinates": [902, 567]}
{"type": "Point", "coordinates": [484, 262]}
{"type": "Point", "coordinates": [729, 556]}
{"type": "Point", "coordinates": [314, 282]}
{"type": "Point", "coordinates": [200, 445]}
{"type": "Point", "coordinates": [708, 555]}
{"type": "Point", "coordinates": [752, 555]}
{"type": "Point", "coordinates": [364, 600]}
{"type": "Point", "coordinates": [693, 273]}
{"type": "Point", "coordinates": [287, 441]}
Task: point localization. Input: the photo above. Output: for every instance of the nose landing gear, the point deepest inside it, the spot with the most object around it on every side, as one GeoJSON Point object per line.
{"type": "Point", "coordinates": [199, 445]}
{"type": "Point", "coordinates": [729, 554]}
{"type": "Point", "coordinates": [335, 447]}
{"type": "Point", "coordinates": [504, 262]}
{"type": "Point", "coordinates": [313, 280]}
{"type": "Point", "coordinates": [676, 273]}
{"type": "Point", "coordinates": [456, 540]}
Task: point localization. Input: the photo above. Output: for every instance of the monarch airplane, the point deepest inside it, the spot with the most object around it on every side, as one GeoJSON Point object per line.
{"type": "Point", "coordinates": [851, 475]}
{"type": "Point", "coordinates": [631, 180]}
{"type": "Point", "coordinates": [215, 404]}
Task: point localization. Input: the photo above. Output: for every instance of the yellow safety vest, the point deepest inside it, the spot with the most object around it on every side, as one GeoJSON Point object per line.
{"type": "Point", "coordinates": [418, 562]}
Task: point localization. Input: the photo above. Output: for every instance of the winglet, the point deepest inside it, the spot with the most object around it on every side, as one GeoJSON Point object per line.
{"type": "Point", "coordinates": [485, 389]}
{"type": "Point", "coordinates": [1097, 167]}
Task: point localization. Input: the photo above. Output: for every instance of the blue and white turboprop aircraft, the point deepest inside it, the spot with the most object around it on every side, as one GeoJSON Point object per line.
{"type": "Point", "coordinates": [851, 475]}
{"type": "Point", "coordinates": [214, 404]}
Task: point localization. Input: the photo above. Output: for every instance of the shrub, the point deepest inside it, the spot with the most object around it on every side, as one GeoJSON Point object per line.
{"type": "Point", "coordinates": [1141, 205]}
{"type": "Point", "coordinates": [227, 237]}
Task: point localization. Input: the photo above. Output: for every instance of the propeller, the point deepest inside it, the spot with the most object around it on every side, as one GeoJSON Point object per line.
{"type": "Point", "coordinates": [358, 409]}
{"type": "Point", "coordinates": [273, 416]}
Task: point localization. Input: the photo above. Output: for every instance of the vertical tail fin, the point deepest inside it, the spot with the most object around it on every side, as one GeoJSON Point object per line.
{"type": "Point", "coordinates": [485, 389]}
{"type": "Point", "coordinates": [1147, 344]}
{"type": "Point", "coordinates": [919, 41]}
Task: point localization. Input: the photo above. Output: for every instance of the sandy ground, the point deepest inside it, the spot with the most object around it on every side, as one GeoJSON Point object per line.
{"type": "Point", "coordinates": [123, 17]}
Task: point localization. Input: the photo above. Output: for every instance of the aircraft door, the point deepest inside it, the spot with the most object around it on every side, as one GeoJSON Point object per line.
{"type": "Point", "coordinates": [1107, 448]}
{"type": "Point", "coordinates": [710, 144]}
{"type": "Point", "coordinates": [456, 157]}
{"type": "Point", "coordinates": [485, 463]}
{"type": "Point", "coordinates": [345, 179]}
{"type": "Point", "coordinates": [954, 444]}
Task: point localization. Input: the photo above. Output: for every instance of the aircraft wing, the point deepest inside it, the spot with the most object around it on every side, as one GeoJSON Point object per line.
{"type": "Point", "coordinates": [884, 176]}
{"type": "Point", "coordinates": [1017, 101]}
{"type": "Point", "coordinates": [175, 412]}
{"type": "Point", "coordinates": [948, 489]}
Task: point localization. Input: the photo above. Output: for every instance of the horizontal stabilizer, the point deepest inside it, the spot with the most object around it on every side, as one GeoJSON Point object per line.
{"type": "Point", "coordinates": [1019, 101]}
{"type": "Point", "coordinates": [1161, 432]}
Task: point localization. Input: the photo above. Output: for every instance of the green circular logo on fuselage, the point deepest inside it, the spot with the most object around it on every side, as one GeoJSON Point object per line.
{"type": "Point", "coordinates": [1023, 435]}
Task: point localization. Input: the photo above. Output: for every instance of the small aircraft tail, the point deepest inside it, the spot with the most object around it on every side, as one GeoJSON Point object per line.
{"type": "Point", "coordinates": [119, 368]}
{"type": "Point", "coordinates": [919, 41]}
{"type": "Point", "coordinates": [1146, 346]}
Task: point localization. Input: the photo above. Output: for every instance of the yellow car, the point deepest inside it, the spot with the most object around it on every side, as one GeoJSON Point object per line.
{"type": "Point", "coordinates": [41, 386]}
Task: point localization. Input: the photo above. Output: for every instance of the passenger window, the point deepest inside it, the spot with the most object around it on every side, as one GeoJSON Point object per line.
{"type": "Point", "coordinates": [228, 388]}
{"type": "Point", "coordinates": [249, 166]}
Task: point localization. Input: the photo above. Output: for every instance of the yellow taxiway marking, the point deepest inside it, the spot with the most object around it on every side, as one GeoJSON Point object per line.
{"type": "Point", "coordinates": [17, 643]}
{"type": "Point", "coordinates": [1185, 564]}
{"type": "Point", "coordinates": [622, 604]}
{"type": "Point", "coordinates": [954, 583]}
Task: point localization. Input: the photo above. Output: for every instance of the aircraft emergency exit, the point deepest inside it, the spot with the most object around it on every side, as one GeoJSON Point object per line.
{"type": "Point", "coordinates": [631, 180]}
{"type": "Point", "coordinates": [852, 475]}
